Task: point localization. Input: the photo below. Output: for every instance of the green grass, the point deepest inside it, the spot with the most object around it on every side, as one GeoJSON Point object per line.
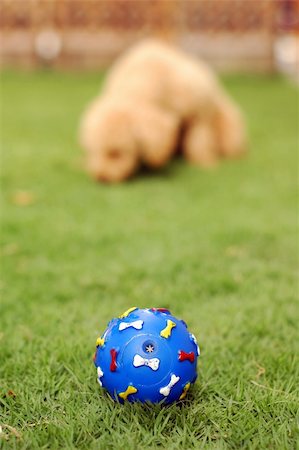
{"type": "Point", "coordinates": [217, 247]}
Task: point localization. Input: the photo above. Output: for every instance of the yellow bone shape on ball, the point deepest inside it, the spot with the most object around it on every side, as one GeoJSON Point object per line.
{"type": "Point", "coordinates": [166, 332]}
{"type": "Point", "coordinates": [100, 342]}
{"type": "Point", "coordinates": [126, 313]}
{"type": "Point", "coordinates": [185, 390]}
{"type": "Point", "coordinates": [130, 390]}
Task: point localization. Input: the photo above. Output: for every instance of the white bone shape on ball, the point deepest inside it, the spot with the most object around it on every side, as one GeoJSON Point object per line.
{"type": "Point", "coordinates": [137, 324]}
{"type": "Point", "coordinates": [193, 339]}
{"type": "Point", "coordinates": [166, 389]}
{"type": "Point", "coordinates": [153, 363]}
{"type": "Point", "coordinates": [100, 374]}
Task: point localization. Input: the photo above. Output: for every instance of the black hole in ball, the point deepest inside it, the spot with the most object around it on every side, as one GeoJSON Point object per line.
{"type": "Point", "coordinates": [149, 347]}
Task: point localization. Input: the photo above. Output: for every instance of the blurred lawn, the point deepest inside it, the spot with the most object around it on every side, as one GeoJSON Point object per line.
{"type": "Point", "coordinates": [219, 248]}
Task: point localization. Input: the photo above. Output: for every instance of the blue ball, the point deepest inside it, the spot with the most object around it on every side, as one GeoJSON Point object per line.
{"type": "Point", "coordinates": [146, 355]}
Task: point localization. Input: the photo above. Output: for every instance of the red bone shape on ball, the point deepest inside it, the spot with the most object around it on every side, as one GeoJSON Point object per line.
{"type": "Point", "coordinates": [184, 356]}
{"type": "Point", "coordinates": [113, 365]}
{"type": "Point", "coordinates": [163, 310]}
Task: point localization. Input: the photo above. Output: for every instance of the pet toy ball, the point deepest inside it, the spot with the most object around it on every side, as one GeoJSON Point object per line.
{"type": "Point", "coordinates": [146, 355]}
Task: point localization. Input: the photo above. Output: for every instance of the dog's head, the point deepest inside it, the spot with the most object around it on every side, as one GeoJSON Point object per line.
{"type": "Point", "coordinates": [119, 136]}
{"type": "Point", "coordinates": [105, 134]}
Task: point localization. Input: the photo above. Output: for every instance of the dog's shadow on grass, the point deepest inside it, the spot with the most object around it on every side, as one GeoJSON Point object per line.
{"type": "Point", "coordinates": [191, 397]}
{"type": "Point", "coordinates": [159, 421]}
{"type": "Point", "coordinates": [171, 170]}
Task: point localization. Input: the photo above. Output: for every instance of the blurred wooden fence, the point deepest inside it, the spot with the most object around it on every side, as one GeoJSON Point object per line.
{"type": "Point", "coordinates": [231, 34]}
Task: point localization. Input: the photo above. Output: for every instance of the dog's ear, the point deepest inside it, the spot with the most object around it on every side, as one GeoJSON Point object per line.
{"type": "Point", "coordinates": [88, 125]}
{"type": "Point", "coordinates": [230, 126]}
{"type": "Point", "coordinates": [156, 132]}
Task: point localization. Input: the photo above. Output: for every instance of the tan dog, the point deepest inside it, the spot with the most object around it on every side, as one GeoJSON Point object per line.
{"type": "Point", "coordinates": [155, 96]}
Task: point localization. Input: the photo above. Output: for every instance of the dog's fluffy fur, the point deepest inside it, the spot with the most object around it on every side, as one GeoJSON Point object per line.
{"type": "Point", "coordinates": [154, 100]}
